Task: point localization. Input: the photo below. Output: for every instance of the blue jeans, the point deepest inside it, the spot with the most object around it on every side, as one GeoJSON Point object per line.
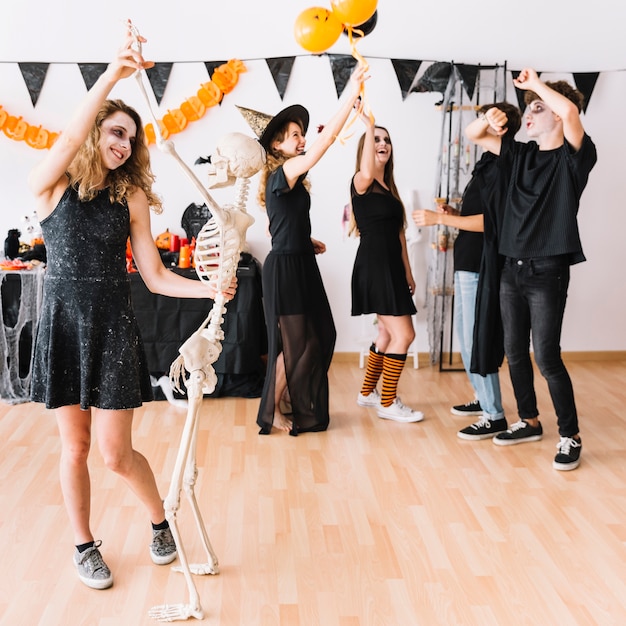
{"type": "Point", "coordinates": [532, 299]}
{"type": "Point", "coordinates": [487, 388]}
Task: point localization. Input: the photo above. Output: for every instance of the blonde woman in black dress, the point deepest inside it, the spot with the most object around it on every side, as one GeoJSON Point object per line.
{"type": "Point", "coordinates": [300, 327]}
{"type": "Point", "coordinates": [382, 282]}
{"type": "Point", "coordinates": [93, 190]}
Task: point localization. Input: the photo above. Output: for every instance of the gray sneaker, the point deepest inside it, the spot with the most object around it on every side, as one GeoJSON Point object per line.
{"type": "Point", "coordinates": [92, 570]}
{"type": "Point", "coordinates": [163, 547]}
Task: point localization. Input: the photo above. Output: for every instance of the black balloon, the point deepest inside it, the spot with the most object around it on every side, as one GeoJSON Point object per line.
{"type": "Point", "coordinates": [366, 28]}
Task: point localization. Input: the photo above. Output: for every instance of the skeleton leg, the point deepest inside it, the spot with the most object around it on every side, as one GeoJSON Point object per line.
{"type": "Point", "coordinates": [189, 481]}
{"type": "Point", "coordinates": [171, 612]}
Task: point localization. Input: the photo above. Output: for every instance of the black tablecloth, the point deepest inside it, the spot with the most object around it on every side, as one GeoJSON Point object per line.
{"type": "Point", "coordinates": [166, 323]}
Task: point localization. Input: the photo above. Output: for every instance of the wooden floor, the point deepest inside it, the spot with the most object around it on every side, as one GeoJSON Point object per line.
{"type": "Point", "coordinates": [372, 523]}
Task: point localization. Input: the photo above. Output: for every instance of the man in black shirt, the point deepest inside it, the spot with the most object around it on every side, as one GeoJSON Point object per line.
{"type": "Point", "coordinates": [537, 236]}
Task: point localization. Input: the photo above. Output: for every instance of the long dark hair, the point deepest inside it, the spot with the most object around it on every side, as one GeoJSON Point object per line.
{"type": "Point", "coordinates": [388, 179]}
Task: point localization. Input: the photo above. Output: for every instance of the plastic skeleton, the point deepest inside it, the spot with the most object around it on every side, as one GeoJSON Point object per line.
{"type": "Point", "coordinates": [217, 251]}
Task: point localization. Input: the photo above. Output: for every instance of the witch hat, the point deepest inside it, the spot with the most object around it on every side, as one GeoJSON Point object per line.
{"type": "Point", "coordinates": [265, 126]}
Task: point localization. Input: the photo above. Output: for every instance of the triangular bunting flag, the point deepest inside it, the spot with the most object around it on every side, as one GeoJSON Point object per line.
{"type": "Point", "coordinates": [468, 77]}
{"type": "Point", "coordinates": [585, 82]}
{"type": "Point", "coordinates": [434, 79]}
{"type": "Point", "coordinates": [342, 66]}
{"type": "Point", "coordinates": [34, 75]}
{"type": "Point", "coordinates": [280, 68]}
{"type": "Point", "coordinates": [158, 77]}
{"type": "Point", "coordinates": [91, 72]}
{"type": "Point", "coordinates": [405, 69]}
{"type": "Point", "coordinates": [211, 65]}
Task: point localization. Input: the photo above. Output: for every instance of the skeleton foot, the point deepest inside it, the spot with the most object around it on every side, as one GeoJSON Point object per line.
{"type": "Point", "coordinates": [201, 569]}
{"type": "Point", "coordinates": [175, 612]}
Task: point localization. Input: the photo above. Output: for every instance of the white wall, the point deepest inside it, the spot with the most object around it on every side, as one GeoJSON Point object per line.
{"type": "Point", "coordinates": [593, 319]}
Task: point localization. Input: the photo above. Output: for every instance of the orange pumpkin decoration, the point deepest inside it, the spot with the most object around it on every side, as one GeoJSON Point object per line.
{"type": "Point", "coordinates": [163, 240]}
{"type": "Point", "coordinates": [210, 94]}
{"type": "Point", "coordinates": [174, 121]}
{"type": "Point", "coordinates": [237, 65]}
{"type": "Point", "coordinates": [52, 137]}
{"type": "Point", "coordinates": [15, 128]}
{"type": "Point", "coordinates": [193, 108]}
{"type": "Point", "coordinates": [225, 78]}
{"type": "Point", "coordinates": [151, 134]}
{"type": "Point", "coordinates": [36, 137]}
{"type": "Point", "coordinates": [3, 117]}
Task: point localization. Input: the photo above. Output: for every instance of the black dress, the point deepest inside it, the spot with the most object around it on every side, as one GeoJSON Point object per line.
{"type": "Point", "coordinates": [297, 312]}
{"type": "Point", "coordinates": [379, 282]}
{"type": "Point", "coordinates": [88, 349]}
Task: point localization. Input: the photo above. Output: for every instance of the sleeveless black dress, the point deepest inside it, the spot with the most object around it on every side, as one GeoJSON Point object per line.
{"type": "Point", "coordinates": [88, 349]}
{"type": "Point", "coordinates": [379, 282]}
{"type": "Point", "coordinates": [298, 316]}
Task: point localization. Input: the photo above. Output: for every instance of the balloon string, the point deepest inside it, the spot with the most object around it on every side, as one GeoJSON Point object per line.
{"type": "Point", "coordinates": [363, 105]}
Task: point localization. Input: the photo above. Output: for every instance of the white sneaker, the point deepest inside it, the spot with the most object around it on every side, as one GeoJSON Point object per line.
{"type": "Point", "coordinates": [371, 399]}
{"type": "Point", "coordinates": [399, 412]}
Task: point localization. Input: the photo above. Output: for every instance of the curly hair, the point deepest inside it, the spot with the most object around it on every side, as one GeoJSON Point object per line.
{"type": "Point", "coordinates": [562, 87]}
{"type": "Point", "coordinates": [86, 170]}
{"type": "Point", "coordinates": [274, 160]}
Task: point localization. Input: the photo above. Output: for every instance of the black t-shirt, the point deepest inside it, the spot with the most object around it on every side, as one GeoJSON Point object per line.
{"type": "Point", "coordinates": [542, 198]}
{"type": "Point", "coordinates": [468, 246]}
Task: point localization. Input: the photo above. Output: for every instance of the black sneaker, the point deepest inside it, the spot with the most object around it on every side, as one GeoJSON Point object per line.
{"type": "Point", "coordinates": [92, 570]}
{"type": "Point", "coordinates": [568, 455]}
{"type": "Point", "coordinates": [520, 432]}
{"type": "Point", "coordinates": [471, 408]}
{"type": "Point", "coordinates": [483, 429]}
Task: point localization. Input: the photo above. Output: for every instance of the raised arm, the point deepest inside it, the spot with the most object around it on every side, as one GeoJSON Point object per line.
{"type": "Point", "coordinates": [47, 180]}
{"type": "Point", "coordinates": [298, 165]}
{"type": "Point", "coordinates": [487, 130]}
{"type": "Point", "coordinates": [560, 105]}
{"type": "Point", "coordinates": [366, 173]}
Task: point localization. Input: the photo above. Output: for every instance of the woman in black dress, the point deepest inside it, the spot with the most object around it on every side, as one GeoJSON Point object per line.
{"type": "Point", "coordinates": [93, 190]}
{"type": "Point", "coordinates": [382, 282]}
{"type": "Point", "coordinates": [301, 331]}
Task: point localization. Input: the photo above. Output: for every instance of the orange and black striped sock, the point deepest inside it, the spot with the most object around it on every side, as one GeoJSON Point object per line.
{"type": "Point", "coordinates": [373, 370]}
{"type": "Point", "coordinates": [393, 364]}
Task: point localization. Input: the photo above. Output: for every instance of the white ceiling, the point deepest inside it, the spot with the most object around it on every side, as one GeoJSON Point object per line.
{"type": "Point", "coordinates": [556, 35]}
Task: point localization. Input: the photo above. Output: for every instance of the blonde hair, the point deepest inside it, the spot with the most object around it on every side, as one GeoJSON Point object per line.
{"type": "Point", "coordinates": [86, 171]}
{"type": "Point", "coordinates": [274, 160]}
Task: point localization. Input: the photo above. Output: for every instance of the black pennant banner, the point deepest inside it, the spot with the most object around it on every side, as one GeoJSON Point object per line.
{"type": "Point", "coordinates": [158, 77]}
{"type": "Point", "coordinates": [342, 66]}
{"type": "Point", "coordinates": [585, 83]}
{"type": "Point", "coordinates": [34, 75]}
{"type": "Point", "coordinates": [406, 71]}
{"type": "Point", "coordinates": [435, 77]}
{"type": "Point", "coordinates": [280, 68]}
{"type": "Point", "coordinates": [468, 73]}
{"type": "Point", "coordinates": [91, 72]}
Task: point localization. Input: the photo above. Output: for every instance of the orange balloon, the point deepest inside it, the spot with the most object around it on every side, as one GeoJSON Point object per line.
{"type": "Point", "coordinates": [317, 29]}
{"type": "Point", "coordinates": [353, 12]}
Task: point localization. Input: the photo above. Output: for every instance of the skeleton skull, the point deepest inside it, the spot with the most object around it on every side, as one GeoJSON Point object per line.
{"type": "Point", "coordinates": [236, 156]}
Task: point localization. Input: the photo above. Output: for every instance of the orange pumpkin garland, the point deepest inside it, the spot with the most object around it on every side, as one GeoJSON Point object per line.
{"type": "Point", "coordinates": [224, 80]}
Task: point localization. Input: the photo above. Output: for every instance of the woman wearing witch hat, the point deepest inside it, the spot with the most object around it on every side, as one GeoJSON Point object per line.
{"type": "Point", "coordinates": [301, 331]}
